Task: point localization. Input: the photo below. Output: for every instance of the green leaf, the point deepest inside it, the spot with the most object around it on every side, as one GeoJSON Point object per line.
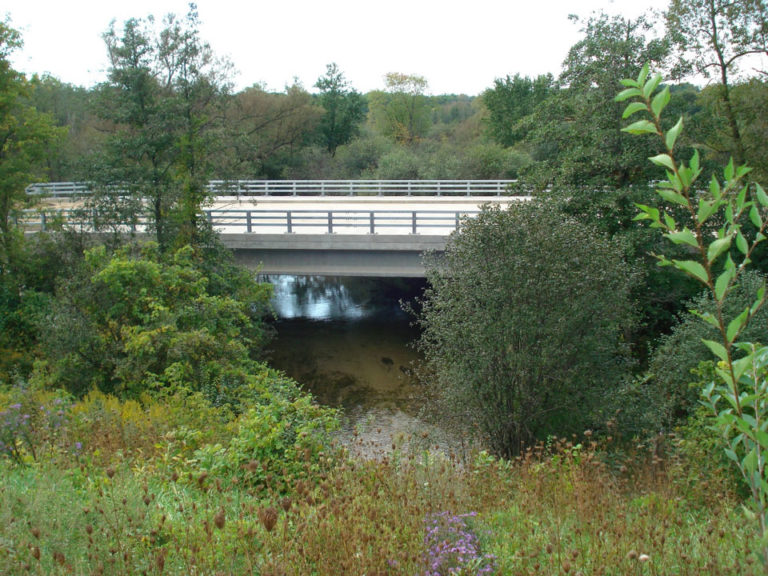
{"type": "Point", "coordinates": [669, 221]}
{"type": "Point", "coordinates": [641, 127]}
{"type": "Point", "coordinates": [732, 455]}
{"type": "Point", "coordinates": [706, 209]}
{"type": "Point", "coordinates": [729, 171]}
{"type": "Point", "coordinates": [714, 188]}
{"type": "Point", "coordinates": [631, 83]}
{"type": "Point", "coordinates": [633, 108]}
{"type": "Point", "coordinates": [660, 102]}
{"type": "Point", "coordinates": [736, 325]}
{"type": "Point", "coordinates": [643, 75]}
{"type": "Point", "coordinates": [754, 217]}
{"type": "Point", "coordinates": [651, 85]}
{"type": "Point", "coordinates": [671, 196]}
{"type": "Point", "coordinates": [762, 197]}
{"type": "Point", "coordinates": [627, 94]}
{"type": "Point", "coordinates": [741, 243]}
{"type": "Point", "coordinates": [694, 161]}
{"type": "Point", "coordinates": [664, 160]}
{"type": "Point", "coordinates": [717, 349]}
{"type": "Point", "coordinates": [692, 268]}
{"type": "Point", "coordinates": [718, 247]}
{"type": "Point", "coordinates": [648, 213]}
{"type": "Point", "coordinates": [722, 283]}
{"type": "Point", "coordinates": [741, 199]}
{"type": "Point", "coordinates": [707, 317]}
{"type": "Point", "coordinates": [672, 135]}
{"type": "Point", "coordinates": [684, 236]}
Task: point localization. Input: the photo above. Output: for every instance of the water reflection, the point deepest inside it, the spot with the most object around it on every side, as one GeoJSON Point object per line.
{"type": "Point", "coordinates": [348, 341]}
{"type": "Point", "coordinates": [342, 298]}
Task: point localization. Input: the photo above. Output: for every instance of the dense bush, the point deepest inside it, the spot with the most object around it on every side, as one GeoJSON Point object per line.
{"type": "Point", "coordinates": [522, 324]}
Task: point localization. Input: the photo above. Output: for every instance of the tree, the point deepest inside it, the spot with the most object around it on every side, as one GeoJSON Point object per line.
{"type": "Point", "coordinates": [712, 37]}
{"type": "Point", "coordinates": [163, 98]}
{"type": "Point", "coordinates": [139, 319]}
{"type": "Point", "coordinates": [510, 100]}
{"type": "Point", "coordinates": [344, 109]}
{"type": "Point", "coordinates": [522, 324]}
{"type": "Point", "coordinates": [266, 129]}
{"type": "Point", "coordinates": [575, 135]}
{"type": "Point", "coordinates": [25, 136]}
{"type": "Point", "coordinates": [401, 111]}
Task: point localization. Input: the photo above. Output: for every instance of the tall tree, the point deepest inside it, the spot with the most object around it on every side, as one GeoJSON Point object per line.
{"type": "Point", "coordinates": [576, 133]}
{"type": "Point", "coordinates": [163, 99]}
{"type": "Point", "coordinates": [344, 108]}
{"type": "Point", "coordinates": [712, 38]}
{"type": "Point", "coordinates": [401, 112]}
{"type": "Point", "coordinates": [25, 135]}
{"type": "Point", "coordinates": [510, 100]}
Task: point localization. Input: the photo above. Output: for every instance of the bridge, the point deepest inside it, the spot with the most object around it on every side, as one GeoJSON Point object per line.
{"type": "Point", "coordinates": [318, 227]}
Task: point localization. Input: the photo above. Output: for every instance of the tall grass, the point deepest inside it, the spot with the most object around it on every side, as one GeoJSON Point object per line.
{"type": "Point", "coordinates": [143, 504]}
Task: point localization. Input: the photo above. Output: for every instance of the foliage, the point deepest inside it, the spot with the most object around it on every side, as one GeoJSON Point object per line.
{"type": "Point", "coordinates": [137, 320]}
{"type": "Point", "coordinates": [401, 111]}
{"type": "Point", "coordinates": [575, 133]}
{"type": "Point", "coordinates": [712, 37]}
{"type": "Point", "coordinates": [163, 102]}
{"type": "Point", "coordinates": [510, 100]}
{"type": "Point", "coordinates": [738, 397]}
{"type": "Point", "coordinates": [264, 131]}
{"type": "Point", "coordinates": [678, 354]}
{"type": "Point", "coordinates": [25, 135]}
{"type": "Point", "coordinates": [555, 510]}
{"type": "Point", "coordinates": [522, 324]}
{"type": "Point", "coordinates": [284, 434]}
{"type": "Point", "coordinates": [344, 108]}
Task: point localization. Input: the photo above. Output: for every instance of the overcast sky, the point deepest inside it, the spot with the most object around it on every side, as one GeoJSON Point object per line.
{"type": "Point", "coordinates": [459, 47]}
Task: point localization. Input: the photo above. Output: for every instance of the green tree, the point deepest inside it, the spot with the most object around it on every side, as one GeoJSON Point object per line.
{"type": "Point", "coordinates": [401, 112]}
{"type": "Point", "coordinates": [139, 320]}
{"type": "Point", "coordinates": [522, 324]}
{"type": "Point", "coordinates": [344, 108]}
{"type": "Point", "coordinates": [575, 135]}
{"type": "Point", "coordinates": [265, 131]}
{"type": "Point", "coordinates": [510, 100]}
{"type": "Point", "coordinates": [163, 99]}
{"type": "Point", "coordinates": [712, 37]}
{"type": "Point", "coordinates": [25, 137]}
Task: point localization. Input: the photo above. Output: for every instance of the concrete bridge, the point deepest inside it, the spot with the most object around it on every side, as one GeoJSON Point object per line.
{"type": "Point", "coordinates": [332, 228]}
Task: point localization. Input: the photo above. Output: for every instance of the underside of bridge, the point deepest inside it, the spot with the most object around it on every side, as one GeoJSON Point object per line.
{"type": "Point", "coordinates": [332, 255]}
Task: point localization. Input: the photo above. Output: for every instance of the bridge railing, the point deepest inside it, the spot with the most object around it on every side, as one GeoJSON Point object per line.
{"type": "Point", "coordinates": [338, 221]}
{"type": "Point", "coordinates": [434, 222]}
{"type": "Point", "coordinates": [315, 188]}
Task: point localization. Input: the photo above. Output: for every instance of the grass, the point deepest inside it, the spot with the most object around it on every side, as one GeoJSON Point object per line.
{"type": "Point", "coordinates": [142, 505]}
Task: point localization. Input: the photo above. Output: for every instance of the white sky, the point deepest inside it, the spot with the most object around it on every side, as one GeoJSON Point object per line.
{"type": "Point", "coordinates": [459, 47]}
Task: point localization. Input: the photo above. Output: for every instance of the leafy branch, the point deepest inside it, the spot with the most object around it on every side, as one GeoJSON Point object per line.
{"type": "Point", "coordinates": [721, 256]}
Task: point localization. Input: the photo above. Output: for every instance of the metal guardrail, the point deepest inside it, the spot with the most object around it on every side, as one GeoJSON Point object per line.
{"type": "Point", "coordinates": [277, 221]}
{"type": "Point", "coordinates": [315, 188]}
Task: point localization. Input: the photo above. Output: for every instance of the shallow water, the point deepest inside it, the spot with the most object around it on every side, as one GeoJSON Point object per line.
{"type": "Point", "coordinates": [348, 341]}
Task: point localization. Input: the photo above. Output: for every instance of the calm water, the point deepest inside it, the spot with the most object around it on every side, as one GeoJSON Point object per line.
{"type": "Point", "coordinates": [348, 341]}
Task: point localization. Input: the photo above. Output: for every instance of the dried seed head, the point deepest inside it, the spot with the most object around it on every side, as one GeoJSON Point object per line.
{"type": "Point", "coordinates": [219, 519]}
{"type": "Point", "coordinates": [268, 517]}
{"type": "Point", "coordinates": [35, 552]}
{"type": "Point", "coordinates": [110, 472]}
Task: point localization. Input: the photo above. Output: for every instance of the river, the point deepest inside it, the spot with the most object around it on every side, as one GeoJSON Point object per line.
{"type": "Point", "coordinates": [349, 342]}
